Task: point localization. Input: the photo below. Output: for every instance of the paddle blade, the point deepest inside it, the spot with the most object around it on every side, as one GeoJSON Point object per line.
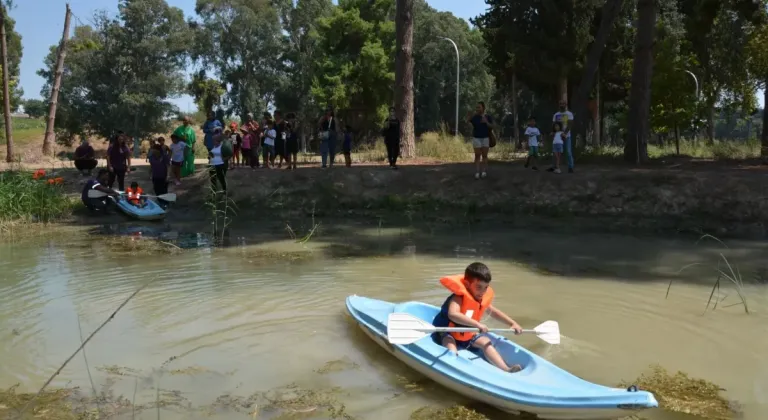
{"type": "Point", "coordinates": [167, 197]}
{"type": "Point", "coordinates": [96, 194]}
{"type": "Point", "coordinates": [405, 328]}
{"type": "Point", "coordinates": [549, 331]}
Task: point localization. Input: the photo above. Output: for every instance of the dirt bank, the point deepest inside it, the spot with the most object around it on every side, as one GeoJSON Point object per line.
{"type": "Point", "coordinates": [721, 201]}
{"type": "Point", "coordinates": [725, 201]}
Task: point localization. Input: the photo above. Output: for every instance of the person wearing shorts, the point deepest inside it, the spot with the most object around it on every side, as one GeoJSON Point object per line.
{"type": "Point", "coordinates": [178, 149]}
{"type": "Point", "coordinates": [557, 145]}
{"type": "Point", "coordinates": [481, 138]}
{"type": "Point", "coordinates": [532, 133]}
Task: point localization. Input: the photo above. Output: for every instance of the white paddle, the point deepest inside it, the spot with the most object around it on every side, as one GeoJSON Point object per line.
{"type": "Point", "coordinates": [403, 328]}
{"type": "Point", "coordinates": [100, 194]}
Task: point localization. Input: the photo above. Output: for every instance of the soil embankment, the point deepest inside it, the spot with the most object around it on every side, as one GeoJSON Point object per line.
{"type": "Point", "coordinates": [720, 201]}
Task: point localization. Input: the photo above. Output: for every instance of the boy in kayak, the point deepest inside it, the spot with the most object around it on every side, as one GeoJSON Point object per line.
{"type": "Point", "coordinates": [135, 195]}
{"type": "Point", "coordinates": [471, 297]}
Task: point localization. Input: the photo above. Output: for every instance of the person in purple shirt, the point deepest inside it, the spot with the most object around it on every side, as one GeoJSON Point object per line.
{"type": "Point", "coordinates": [85, 160]}
{"type": "Point", "coordinates": [158, 163]}
{"type": "Point", "coordinates": [102, 203]}
{"type": "Point", "coordinates": [118, 162]}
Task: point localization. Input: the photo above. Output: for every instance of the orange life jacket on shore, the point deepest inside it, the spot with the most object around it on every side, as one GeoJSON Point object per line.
{"type": "Point", "coordinates": [134, 196]}
{"type": "Point", "coordinates": [469, 306]}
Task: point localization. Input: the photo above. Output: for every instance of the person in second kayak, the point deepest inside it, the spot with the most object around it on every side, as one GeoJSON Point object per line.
{"type": "Point", "coordinates": [471, 297]}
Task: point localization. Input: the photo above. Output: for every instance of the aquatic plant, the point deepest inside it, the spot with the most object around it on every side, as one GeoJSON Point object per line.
{"type": "Point", "coordinates": [32, 198]}
{"type": "Point", "coordinates": [683, 394]}
{"type": "Point", "coordinates": [221, 208]}
{"type": "Point", "coordinates": [457, 412]}
{"type": "Point", "coordinates": [733, 275]}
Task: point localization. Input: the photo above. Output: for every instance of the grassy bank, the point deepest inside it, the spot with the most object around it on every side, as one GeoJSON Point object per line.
{"type": "Point", "coordinates": [32, 197]}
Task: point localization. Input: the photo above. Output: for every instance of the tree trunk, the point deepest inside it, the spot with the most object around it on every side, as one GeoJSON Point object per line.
{"type": "Point", "coordinates": [515, 121]}
{"type": "Point", "coordinates": [711, 123]}
{"type": "Point", "coordinates": [6, 89]}
{"type": "Point", "coordinates": [49, 136]}
{"type": "Point", "coordinates": [596, 118]}
{"type": "Point", "coordinates": [610, 13]}
{"type": "Point", "coordinates": [677, 139]}
{"type": "Point", "coordinates": [764, 136]}
{"type": "Point", "coordinates": [562, 89]}
{"type": "Point", "coordinates": [636, 143]}
{"type": "Point", "coordinates": [404, 77]}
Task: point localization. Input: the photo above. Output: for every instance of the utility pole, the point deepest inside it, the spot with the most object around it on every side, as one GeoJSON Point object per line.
{"type": "Point", "coordinates": [6, 89]}
{"type": "Point", "coordinates": [52, 102]}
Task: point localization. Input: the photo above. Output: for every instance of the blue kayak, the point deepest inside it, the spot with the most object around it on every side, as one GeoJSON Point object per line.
{"type": "Point", "coordinates": [540, 388]}
{"type": "Point", "coordinates": [151, 211]}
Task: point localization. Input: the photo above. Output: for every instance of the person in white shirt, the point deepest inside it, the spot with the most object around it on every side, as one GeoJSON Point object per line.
{"type": "Point", "coordinates": [218, 166]}
{"type": "Point", "coordinates": [565, 118]}
{"type": "Point", "coordinates": [178, 147]}
{"type": "Point", "coordinates": [557, 145]}
{"type": "Point", "coordinates": [532, 133]}
{"type": "Point", "coordinates": [270, 134]}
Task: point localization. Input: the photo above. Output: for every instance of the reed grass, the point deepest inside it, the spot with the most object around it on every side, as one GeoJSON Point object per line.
{"type": "Point", "coordinates": [27, 197]}
{"type": "Point", "coordinates": [725, 271]}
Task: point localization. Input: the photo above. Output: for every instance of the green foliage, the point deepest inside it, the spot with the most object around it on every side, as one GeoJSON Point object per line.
{"type": "Point", "coordinates": [25, 198]}
{"type": "Point", "coordinates": [435, 68]}
{"type": "Point", "coordinates": [207, 92]}
{"type": "Point", "coordinates": [243, 41]}
{"type": "Point", "coordinates": [122, 71]}
{"type": "Point", "coordinates": [356, 71]}
{"type": "Point", "coordinates": [35, 108]}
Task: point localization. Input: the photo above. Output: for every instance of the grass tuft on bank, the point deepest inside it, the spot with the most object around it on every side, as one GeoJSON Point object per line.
{"type": "Point", "coordinates": [32, 197]}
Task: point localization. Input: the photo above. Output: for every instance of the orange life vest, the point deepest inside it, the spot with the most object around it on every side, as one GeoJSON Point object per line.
{"type": "Point", "coordinates": [469, 306]}
{"type": "Point", "coordinates": [134, 196]}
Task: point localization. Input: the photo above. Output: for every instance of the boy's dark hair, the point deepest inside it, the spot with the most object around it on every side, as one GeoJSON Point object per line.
{"type": "Point", "coordinates": [531, 118]}
{"type": "Point", "coordinates": [134, 184]}
{"type": "Point", "coordinates": [102, 172]}
{"type": "Point", "coordinates": [557, 126]}
{"type": "Point", "coordinates": [478, 271]}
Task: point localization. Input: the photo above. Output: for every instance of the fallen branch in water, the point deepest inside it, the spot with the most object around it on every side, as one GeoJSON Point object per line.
{"type": "Point", "coordinates": [88, 369]}
{"type": "Point", "coordinates": [82, 345]}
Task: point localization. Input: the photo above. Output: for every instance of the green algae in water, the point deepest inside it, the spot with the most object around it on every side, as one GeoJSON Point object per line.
{"type": "Point", "coordinates": [457, 412]}
{"type": "Point", "coordinates": [335, 366]}
{"type": "Point", "coordinates": [683, 394]}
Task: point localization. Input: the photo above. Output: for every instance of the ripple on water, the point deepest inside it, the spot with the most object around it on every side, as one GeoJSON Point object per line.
{"type": "Point", "coordinates": [273, 324]}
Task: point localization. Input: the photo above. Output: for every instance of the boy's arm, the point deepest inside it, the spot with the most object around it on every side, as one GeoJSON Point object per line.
{"type": "Point", "coordinates": [455, 315]}
{"type": "Point", "coordinates": [501, 316]}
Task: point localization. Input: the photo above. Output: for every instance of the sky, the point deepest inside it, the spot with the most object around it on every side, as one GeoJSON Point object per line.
{"type": "Point", "coordinates": [41, 22]}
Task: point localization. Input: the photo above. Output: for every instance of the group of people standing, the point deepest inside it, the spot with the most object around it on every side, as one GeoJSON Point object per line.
{"type": "Point", "coordinates": [562, 121]}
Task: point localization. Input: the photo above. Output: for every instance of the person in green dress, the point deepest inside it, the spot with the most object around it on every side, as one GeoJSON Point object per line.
{"type": "Point", "coordinates": [187, 134]}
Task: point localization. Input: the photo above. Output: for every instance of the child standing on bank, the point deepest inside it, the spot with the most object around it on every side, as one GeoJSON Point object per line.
{"type": "Point", "coordinates": [177, 158]}
{"type": "Point", "coordinates": [557, 146]}
{"type": "Point", "coordinates": [532, 133]}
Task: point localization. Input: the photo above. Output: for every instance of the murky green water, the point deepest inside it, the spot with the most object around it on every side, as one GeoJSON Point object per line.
{"type": "Point", "coordinates": [234, 322]}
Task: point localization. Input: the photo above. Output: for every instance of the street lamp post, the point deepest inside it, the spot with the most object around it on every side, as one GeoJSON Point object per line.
{"type": "Point", "coordinates": [456, 48]}
{"type": "Point", "coordinates": [695, 126]}
{"type": "Point", "coordinates": [696, 81]}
